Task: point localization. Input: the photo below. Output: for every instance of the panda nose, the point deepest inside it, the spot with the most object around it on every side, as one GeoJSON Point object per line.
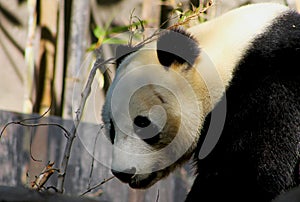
{"type": "Point", "coordinates": [125, 175]}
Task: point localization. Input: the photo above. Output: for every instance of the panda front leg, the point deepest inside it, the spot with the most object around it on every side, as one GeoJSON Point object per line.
{"type": "Point", "coordinates": [257, 156]}
{"type": "Point", "coordinates": [245, 177]}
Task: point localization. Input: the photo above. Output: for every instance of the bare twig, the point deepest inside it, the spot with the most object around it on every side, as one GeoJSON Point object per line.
{"type": "Point", "coordinates": [66, 132]}
{"type": "Point", "coordinates": [157, 32]}
{"type": "Point", "coordinates": [93, 159]}
{"type": "Point", "coordinates": [30, 151]}
{"type": "Point", "coordinates": [84, 95]}
{"type": "Point", "coordinates": [39, 117]}
{"type": "Point", "coordinates": [195, 15]}
{"type": "Point", "coordinates": [23, 122]}
{"type": "Point", "coordinates": [135, 27]}
{"type": "Point", "coordinates": [97, 185]}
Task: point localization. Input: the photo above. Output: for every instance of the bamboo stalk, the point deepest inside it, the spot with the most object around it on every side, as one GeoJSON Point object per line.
{"type": "Point", "coordinates": [79, 27]}
{"type": "Point", "coordinates": [80, 15]}
{"type": "Point", "coordinates": [59, 60]}
{"type": "Point", "coordinates": [48, 20]}
{"type": "Point", "coordinates": [29, 57]}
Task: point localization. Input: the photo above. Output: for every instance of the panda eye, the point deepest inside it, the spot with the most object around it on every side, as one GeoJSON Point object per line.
{"type": "Point", "coordinates": [141, 121]}
{"type": "Point", "coordinates": [112, 132]}
{"type": "Point", "coordinates": [146, 130]}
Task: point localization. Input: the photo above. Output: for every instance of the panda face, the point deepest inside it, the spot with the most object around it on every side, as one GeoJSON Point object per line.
{"type": "Point", "coordinates": [152, 114]}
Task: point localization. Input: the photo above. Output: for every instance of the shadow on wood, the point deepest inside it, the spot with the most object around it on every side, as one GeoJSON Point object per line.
{"type": "Point", "coordinates": [21, 194]}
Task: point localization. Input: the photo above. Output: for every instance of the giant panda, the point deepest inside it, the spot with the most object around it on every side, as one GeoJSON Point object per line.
{"type": "Point", "coordinates": [225, 93]}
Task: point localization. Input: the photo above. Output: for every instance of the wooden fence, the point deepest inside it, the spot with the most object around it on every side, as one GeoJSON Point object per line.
{"type": "Point", "coordinates": [24, 152]}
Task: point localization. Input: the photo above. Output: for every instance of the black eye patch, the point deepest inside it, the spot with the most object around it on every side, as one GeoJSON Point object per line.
{"type": "Point", "coordinates": [146, 130]}
{"type": "Point", "coordinates": [141, 121]}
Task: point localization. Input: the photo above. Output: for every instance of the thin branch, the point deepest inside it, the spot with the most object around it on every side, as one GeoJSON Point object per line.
{"type": "Point", "coordinates": [131, 31]}
{"type": "Point", "coordinates": [25, 120]}
{"type": "Point", "coordinates": [39, 117]}
{"type": "Point", "coordinates": [93, 159]}
{"type": "Point", "coordinates": [193, 16]}
{"type": "Point", "coordinates": [30, 150]}
{"type": "Point", "coordinates": [66, 132]}
{"type": "Point", "coordinates": [84, 95]}
{"type": "Point", "coordinates": [97, 185]}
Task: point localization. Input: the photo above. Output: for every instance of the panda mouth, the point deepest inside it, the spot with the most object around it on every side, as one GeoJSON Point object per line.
{"type": "Point", "coordinates": [143, 181]}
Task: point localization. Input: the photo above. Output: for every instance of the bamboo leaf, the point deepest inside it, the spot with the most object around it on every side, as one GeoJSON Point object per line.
{"type": "Point", "coordinates": [99, 32]}
{"type": "Point", "coordinates": [114, 41]}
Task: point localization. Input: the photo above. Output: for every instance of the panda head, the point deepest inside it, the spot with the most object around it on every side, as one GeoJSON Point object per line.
{"type": "Point", "coordinates": [161, 93]}
{"type": "Point", "coordinates": [152, 113]}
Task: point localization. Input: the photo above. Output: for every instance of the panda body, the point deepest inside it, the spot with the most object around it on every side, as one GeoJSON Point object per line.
{"type": "Point", "coordinates": [247, 59]}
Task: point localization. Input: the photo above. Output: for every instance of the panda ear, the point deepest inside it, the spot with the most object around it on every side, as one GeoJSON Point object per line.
{"type": "Point", "coordinates": [122, 51]}
{"type": "Point", "coordinates": [177, 45]}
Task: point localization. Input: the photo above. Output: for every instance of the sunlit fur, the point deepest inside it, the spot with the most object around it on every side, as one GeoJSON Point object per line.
{"type": "Point", "coordinates": [222, 42]}
{"type": "Point", "coordinates": [127, 147]}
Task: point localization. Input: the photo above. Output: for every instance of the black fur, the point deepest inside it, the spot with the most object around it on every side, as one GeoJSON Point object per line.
{"type": "Point", "coordinates": [122, 51]}
{"type": "Point", "coordinates": [257, 156]}
{"type": "Point", "coordinates": [290, 196]}
{"type": "Point", "coordinates": [177, 46]}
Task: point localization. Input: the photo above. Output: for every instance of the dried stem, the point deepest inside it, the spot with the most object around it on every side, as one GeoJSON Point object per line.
{"type": "Point", "coordinates": [84, 95]}
{"type": "Point", "coordinates": [30, 150]}
{"type": "Point", "coordinates": [97, 185]}
{"type": "Point", "coordinates": [23, 122]}
{"type": "Point", "coordinates": [67, 133]}
{"type": "Point", "coordinates": [193, 16]}
{"type": "Point", "coordinates": [93, 159]}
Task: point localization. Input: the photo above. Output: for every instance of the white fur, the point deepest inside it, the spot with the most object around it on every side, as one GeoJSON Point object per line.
{"type": "Point", "coordinates": [126, 142]}
{"type": "Point", "coordinates": [224, 40]}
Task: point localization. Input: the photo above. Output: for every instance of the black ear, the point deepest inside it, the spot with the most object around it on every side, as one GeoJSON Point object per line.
{"type": "Point", "coordinates": [122, 51]}
{"type": "Point", "coordinates": [177, 45]}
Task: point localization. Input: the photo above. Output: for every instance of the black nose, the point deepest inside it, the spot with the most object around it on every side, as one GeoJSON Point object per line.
{"type": "Point", "coordinates": [125, 175]}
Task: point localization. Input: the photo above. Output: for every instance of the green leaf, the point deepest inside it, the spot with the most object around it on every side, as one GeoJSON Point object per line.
{"type": "Point", "coordinates": [99, 32]}
{"type": "Point", "coordinates": [114, 41]}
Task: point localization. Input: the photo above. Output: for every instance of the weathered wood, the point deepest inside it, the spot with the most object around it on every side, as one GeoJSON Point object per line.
{"type": "Point", "coordinates": [21, 194]}
{"type": "Point", "coordinates": [78, 44]}
{"type": "Point", "coordinates": [15, 158]}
